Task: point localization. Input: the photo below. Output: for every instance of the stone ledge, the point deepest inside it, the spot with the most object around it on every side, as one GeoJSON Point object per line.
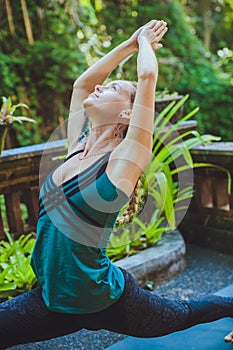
{"type": "Point", "coordinates": [164, 260]}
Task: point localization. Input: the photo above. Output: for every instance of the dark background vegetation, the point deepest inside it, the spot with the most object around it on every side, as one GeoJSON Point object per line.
{"type": "Point", "coordinates": [45, 45]}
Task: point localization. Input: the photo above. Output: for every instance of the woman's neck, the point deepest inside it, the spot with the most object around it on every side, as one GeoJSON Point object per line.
{"type": "Point", "coordinates": [101, 139]}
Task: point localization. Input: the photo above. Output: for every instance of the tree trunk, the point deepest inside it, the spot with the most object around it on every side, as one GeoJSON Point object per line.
{"type": "Point", "coordinates": [10, 17]}
{"type": "Point", "coordinates": [41, 20]}
{"type": "Point", "coordinates": [205, 7]}
{"type": "Point", "coordinates": [27, 22]}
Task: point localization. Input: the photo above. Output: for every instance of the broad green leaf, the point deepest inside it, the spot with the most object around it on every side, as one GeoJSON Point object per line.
{"type": "Point", "coordinates": [10, 239]}
{"type": "Point", "coordinates": [13, 108]}
{"type": "Point", "coordinates": [7, 286]}
{"type": "Point", "coordinates": [187, 116]}
{"type": "Point", "coordinates": [176, 107]}
{"type": "Point", "coordinates": [162, 114]}
{"type": "Point", "coordinates": [20, 119]}
{"type": "Point", "coordinates": [167, 172]}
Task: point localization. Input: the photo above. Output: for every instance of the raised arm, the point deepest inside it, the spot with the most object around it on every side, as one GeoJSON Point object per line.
{"type": "Point", "coordinates": [86, 83]}
{"type": "Point", "coordinates": [132, 155]}
{"type": "Point", "coordinates": [142, 117]}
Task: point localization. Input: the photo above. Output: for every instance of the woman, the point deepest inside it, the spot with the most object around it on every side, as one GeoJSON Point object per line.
{"type": "Point", "coordinates": [79, 203]}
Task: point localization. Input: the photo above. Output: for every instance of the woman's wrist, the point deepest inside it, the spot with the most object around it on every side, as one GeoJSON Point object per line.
{"type": "Point", "coordinates": [131, 45]}
{"type": "Point", "coordinates": [143, 39]}
{"type": "Point", "coordinates": [144, 44]}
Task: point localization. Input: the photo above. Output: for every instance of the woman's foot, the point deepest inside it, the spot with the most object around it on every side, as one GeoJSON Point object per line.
{"type": "Point", "coordinates": [229, 338]}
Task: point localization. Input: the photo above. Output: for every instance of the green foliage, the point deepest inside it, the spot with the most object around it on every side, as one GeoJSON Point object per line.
{"type": "Point", "coordinates": [7, 118]}
{"type": "Point", "coordinates": [139, 236]}
{"type": "Point", "coordinates": [7, 112]}
{"type": "Point", "coordinates": [168, 197]}
{"type": "Point", "coordinates": [41, 74]}
{"type": "Point", "coordinates": [16, 274]}
{"type": "Point", "coordinates": [185, 65]}
{"type": "Point", "coordinates": [3, 210]}
{"type": "Point", "coordinates": [70, 35]}
{"type": "Point", "coordinates": [213, 19]}
{"type": "Point", "coordinates": [165, 94]}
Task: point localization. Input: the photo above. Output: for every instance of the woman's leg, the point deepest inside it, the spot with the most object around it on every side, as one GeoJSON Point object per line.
{"type": "Point", "coordinates": [141, 313]}
{"type": "Point", "coordinates": [25, 319]}
{"type": "Point", "coordinates": [138, 313]}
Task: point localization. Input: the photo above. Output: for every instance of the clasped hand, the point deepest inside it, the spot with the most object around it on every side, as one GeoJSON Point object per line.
{"type": "Point", "coordinates": [153, 31]}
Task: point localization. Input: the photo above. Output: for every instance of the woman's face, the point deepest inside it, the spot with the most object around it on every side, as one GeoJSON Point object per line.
{"type": "Point", "coordinates": [109, 100]}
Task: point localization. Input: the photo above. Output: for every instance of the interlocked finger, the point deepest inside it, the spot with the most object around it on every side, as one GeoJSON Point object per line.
{"type": "Point", "coordinates": [157, 24]}
{"type": "Point", "coordinates": [152, 23]}
{"type": "Point", "coordinates": [160, 33]}
{"type": "Point", "coordinates": [154, 31]}
{"type": "Point", "coordinates": [156, 37]}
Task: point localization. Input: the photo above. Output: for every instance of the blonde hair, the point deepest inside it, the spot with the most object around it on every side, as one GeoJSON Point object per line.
{"type": "Point", "coordinates": [133, 94]}
{"type": "Point", "coordinates": [135, 204]}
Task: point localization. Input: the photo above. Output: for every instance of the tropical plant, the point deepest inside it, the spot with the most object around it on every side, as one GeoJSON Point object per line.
{"type": "Point", "coordinates": [168, 196]}
{"type": "Point", "coordinates": [16, 274]}
{"type": "Point", "coordinates": [7, 118]}
{"type": "Point", "coordinates": [62, 37]}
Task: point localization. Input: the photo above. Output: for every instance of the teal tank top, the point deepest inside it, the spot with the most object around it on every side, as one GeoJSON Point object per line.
{"type": "Point", "coordinates": [73, 228]}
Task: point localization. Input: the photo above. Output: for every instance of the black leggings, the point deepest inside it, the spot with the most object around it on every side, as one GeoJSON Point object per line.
{"type": "Point", "coordinates": [138, 313]}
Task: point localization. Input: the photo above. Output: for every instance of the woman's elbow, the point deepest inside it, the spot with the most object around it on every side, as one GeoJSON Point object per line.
{"type": "Point", "coordinates": [77, 84]}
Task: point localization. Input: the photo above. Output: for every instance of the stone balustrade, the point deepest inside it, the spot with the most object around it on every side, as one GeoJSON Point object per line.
{"type": "Point", "coordinates": [20, 176]}
{"type": "Point", "coordinates": [209, 220]}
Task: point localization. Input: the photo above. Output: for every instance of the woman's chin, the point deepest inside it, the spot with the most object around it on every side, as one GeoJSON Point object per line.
{"type": "Point", "coordinates": [88, 102]}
